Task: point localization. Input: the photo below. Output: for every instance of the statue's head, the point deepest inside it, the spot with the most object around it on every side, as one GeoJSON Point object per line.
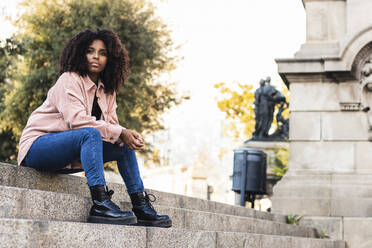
{"type": "Point", "coordinates": [262, 82]}
{"type": "Point", "coordinates": [268, 79]}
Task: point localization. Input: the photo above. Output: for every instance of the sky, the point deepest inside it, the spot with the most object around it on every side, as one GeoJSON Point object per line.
{"type": "Point", "coordinates": [221, 41]}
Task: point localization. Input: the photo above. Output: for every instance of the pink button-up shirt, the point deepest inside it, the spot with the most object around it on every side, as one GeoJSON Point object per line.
{"type": "Point", "coordinates": [68, 106]}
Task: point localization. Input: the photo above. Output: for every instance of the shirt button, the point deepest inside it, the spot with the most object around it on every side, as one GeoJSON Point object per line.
{"type": "Point", "coordinates": [106, 112]}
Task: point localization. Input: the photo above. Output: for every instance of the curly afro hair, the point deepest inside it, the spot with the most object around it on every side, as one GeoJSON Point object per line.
{"type": "Point", "coordinates": [73, 57]}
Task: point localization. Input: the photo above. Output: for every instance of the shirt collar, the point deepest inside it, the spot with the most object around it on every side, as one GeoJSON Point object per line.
{"type": "Point", "coordinates": [91, 84]}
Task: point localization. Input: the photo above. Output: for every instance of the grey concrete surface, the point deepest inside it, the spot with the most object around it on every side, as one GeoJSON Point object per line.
{"type": "Point", "coordinates": [37, 233]}
{"type": "Point", "coordinates": [17, 176]}
{"type": "Point", "coordinates": [46, 210]}
{"type": "Point", "coordinates": [46, 205]}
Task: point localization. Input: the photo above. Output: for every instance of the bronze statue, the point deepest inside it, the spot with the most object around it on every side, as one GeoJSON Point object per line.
{"type": "Point", "coordinates": [266, 98]}
{"type": "Point", "coordinates": [282, 131]}
{"type": "Point", "coordinates": [258, 108]}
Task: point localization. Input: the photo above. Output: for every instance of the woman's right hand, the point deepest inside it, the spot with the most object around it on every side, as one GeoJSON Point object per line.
{"type": "Point", "coordinates": [132, 139]}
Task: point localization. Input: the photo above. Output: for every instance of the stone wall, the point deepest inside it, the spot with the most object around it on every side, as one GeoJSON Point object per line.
{"type": "Point", "coordinates": [330, 153]}
{"type": "Point", "coordinates": [330, 79]}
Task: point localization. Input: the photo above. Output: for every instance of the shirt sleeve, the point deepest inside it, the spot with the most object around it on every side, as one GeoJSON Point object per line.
{"type": "Point", "coordinates": [69, 101]}
{"type": "Point", "coordinates": [112, 111]}
{"type": "Point", "coordinates": [113, 115]}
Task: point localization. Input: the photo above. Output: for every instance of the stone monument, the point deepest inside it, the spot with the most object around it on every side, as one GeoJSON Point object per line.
{"type": "Point", "coordinates": [330, 79]}
{"type": "Point", "coordinates": [267, 97]}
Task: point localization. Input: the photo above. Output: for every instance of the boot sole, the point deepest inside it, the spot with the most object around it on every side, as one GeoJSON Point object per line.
{"type": "Point", "coordinates": [128, 220]}
{"type": "Point", "coordinates": [154, 223]}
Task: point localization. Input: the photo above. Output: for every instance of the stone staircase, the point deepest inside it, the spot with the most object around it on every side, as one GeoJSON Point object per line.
{"type": "Point", "coordinates": [47, 210]}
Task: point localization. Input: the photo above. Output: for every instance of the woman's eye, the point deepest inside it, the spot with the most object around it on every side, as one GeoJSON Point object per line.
{"type": "Point", "coordinates": [90, 51]}
{"type": "Point", "coordinates": [103, 53]}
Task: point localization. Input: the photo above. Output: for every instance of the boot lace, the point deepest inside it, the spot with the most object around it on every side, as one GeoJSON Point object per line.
{"type": "Point", "coordinates": [149, 201]}
{"type": "Point", "coordinates": [109, 192]}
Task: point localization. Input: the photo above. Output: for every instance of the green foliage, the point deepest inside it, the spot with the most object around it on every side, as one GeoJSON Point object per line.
{"type": "Point", "coordinates": [7, 147]}
{"type": "Point", "coordinates": [323, 235]}
{"type": "Point", "coordinates": [281, 162]}
{"type": "Point", "coordinates": [9, 53]}
{"type": "Point", "coordinates": [46, 25]}
{"type": "Point", "coordinates": [294, 219]}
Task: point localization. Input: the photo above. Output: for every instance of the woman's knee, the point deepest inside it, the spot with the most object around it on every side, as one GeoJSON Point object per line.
{"type": "Point", "coordinates": [91, 133]}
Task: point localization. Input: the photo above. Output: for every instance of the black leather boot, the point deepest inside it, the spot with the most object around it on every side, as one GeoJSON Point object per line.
{"type": "Point", "coordinates": [145, 212]}
{"type": "Point", "coordinates": [105, 211]}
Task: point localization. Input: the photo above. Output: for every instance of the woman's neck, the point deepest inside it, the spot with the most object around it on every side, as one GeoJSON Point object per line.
{"type": "Point", "coordinates": [94, 77]}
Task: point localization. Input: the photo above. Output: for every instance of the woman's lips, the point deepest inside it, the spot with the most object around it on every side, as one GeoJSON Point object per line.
{"type": "Point", "coordinates": [94, 64]}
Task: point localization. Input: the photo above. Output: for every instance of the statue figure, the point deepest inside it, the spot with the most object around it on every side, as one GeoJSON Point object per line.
{"type": "Point", "coordinates": [257, 108]}
{"type": "Point", "coordinates": [366, 87]}
{"type": "Point", "coordinates": [282, 132]}
{"type": "Point", "coordinates": [266, 97]}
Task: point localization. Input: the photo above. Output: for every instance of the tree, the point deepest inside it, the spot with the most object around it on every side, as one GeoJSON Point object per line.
{"type": "Point", "coordinates": [237, 104]}
{"type": "Point", "coordinates": [46, 25]}
{"type": "Point", "coordinates": [9, 52]}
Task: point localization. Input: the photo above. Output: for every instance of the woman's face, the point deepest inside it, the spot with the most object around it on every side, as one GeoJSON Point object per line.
{"type": "Point", "coordinates": [97, 57]}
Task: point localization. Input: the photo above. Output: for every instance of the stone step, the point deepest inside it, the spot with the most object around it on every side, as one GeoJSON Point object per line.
{"type": "Point", "coordinates": [45, 233]}
{"type": "Point", "coordinates": [355, 231]}
{"type": "Point", "coordinates": [45, 205]}
{"type": "Point", "coordinates": [18, 176]}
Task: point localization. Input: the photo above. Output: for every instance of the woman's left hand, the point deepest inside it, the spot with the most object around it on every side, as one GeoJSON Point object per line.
{"type": "Point", "coordinates": [132, 139]}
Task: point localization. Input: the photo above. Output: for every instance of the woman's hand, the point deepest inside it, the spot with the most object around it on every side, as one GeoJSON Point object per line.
{"type": "Point", "coordinates": [132, 139]}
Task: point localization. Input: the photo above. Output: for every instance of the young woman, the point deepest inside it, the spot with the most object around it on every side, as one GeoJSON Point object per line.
{"type": "Point", "coordinates": [77, 129]}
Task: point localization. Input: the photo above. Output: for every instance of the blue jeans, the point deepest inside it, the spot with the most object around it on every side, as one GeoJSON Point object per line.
{"type": "Point", "coordinates": [52, 152]}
